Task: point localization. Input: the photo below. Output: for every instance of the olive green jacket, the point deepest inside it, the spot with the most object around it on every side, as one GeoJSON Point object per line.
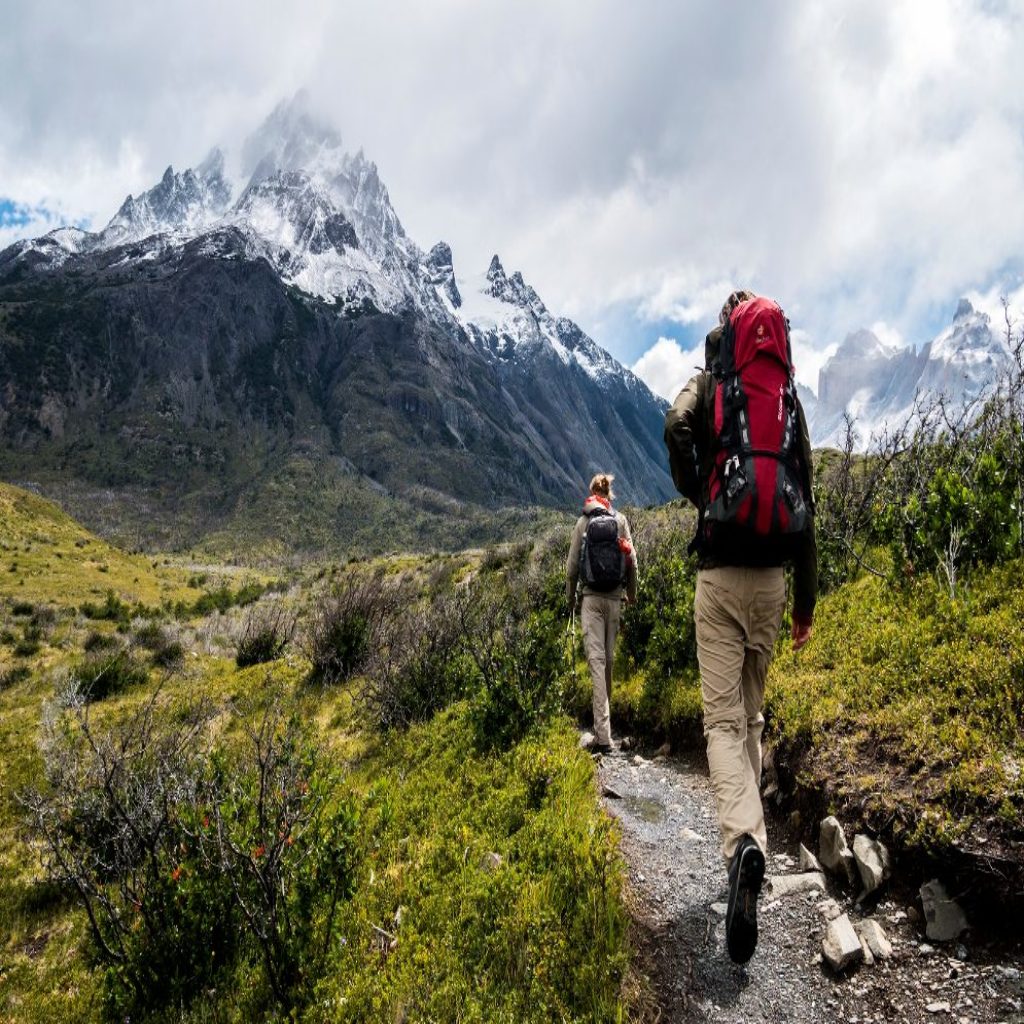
{"type": "Point", "coordinates": [688, 434]}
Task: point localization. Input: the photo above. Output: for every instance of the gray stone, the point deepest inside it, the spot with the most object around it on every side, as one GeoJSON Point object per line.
{"type": "Point", "coordinates": [690, 836]}
{"type": "Point", "coordinates": [833, 851]}
{"type": "Point", "coordinates": [828, 909]}
{"type": "Point", "coordinates": [808, 862]}
{"type": "Point", "coordinates": [639, 761]}
{"type": "Point", "coordinates": [873, 862]}
{"type": "Point", "coordinates": [872, 933]}
{"type": "Point", "coordinates": [938, 1008]}
{"type": "Point", "coordinates": [869, 957]}
{"type": "Point", "coordinates": [611, 793]}
{"type": "Point", "coordinates": [944, 920]}
{"type": "Point", "coordinates": [841, 945]}
{"type": "Point", "coordinates": [786, 885]}
{"type": "Point", "coordinates": [720, 909]}
{"type": "Point", "coordinates": [587, 740]}
{"type": "Point", "coordinates": [491, 862]}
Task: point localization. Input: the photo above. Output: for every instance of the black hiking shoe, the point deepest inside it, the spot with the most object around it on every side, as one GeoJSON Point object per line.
{"type": "Point", "coordinates": [746, 873]}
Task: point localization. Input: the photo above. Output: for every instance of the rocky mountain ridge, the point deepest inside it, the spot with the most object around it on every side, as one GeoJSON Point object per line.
{"type": "Point", "coordinates": [876, 383]}
{"type": "Point", "coordinates": [293, 311]}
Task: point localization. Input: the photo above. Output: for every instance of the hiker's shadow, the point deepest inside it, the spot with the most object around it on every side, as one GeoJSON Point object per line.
{"type": "Point", "coordinates": [714, 978]}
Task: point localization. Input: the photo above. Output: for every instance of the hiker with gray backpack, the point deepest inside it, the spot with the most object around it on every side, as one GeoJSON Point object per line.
{"type": "Point", "coordinates": [739, 450]}
{"type": "Point", "coordinates": [602, 563]}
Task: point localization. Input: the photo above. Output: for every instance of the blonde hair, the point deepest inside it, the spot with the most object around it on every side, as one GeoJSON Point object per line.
{"type": "Point", "coordinates": [602, 484]}
{"type": "Point", "coordinates": [738, 296]}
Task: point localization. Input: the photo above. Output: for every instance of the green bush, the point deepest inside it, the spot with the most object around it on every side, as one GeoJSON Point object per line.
{"type": "Point", "coordinates": [195, 863]}
{"type": "Point", "coordinates": [267, 630]}
{"type": "Point", "coordinates": [12, 676]}
{"type": "Point", "coordinates": [520, 662]}
{"type": "Point", "coordinates": [104, 672]}
{"type": "Point", "coordinates": [113, 609]}
{"type": "Point", "coordinates": [348, 624]}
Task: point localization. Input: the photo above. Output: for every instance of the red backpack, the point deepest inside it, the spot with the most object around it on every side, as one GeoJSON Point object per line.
{"type": "Point", "coordinates": [756, 481]}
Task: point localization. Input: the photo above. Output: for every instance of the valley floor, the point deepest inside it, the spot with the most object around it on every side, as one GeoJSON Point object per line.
{"type": "Point", "coordinates": [678, 888]}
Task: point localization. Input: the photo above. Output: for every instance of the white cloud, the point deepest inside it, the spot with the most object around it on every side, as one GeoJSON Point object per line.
{"type": "Point", "coordinates": [665, 367]}
{"type": "Point", "coordinates": [860, 162]}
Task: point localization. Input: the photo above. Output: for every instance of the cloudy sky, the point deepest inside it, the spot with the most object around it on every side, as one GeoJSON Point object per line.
{"type": "Point", "coordinates": [861, 161]}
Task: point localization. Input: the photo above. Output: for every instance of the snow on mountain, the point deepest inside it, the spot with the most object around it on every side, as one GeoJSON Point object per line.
{"type": "Point", "coordinates": [323, 219]}
{"type": "Point", "coordinates": [506, 315]}
{"type": "Point", "coordinates": [183, 203]}
{"type": "Point", "coordinates": [877, 383]}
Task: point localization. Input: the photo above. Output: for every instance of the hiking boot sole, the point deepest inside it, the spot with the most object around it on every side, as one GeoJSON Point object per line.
{"type": "Point", "coordinates": [741, 917]}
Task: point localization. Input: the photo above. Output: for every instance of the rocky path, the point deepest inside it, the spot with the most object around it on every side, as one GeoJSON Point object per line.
{"type": "Point", "coordinates": [678, 888]}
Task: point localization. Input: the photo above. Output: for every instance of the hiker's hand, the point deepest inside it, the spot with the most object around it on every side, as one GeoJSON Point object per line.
{"type": "Point", "coordinates": [801, 633]}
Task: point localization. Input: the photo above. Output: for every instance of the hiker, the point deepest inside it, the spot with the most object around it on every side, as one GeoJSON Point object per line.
{"type": "Point", "coordinates": [739, 450]}
{"type": "Point", "coordinates": [602, 559]}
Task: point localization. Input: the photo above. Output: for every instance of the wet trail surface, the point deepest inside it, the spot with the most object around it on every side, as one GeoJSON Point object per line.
{"type": "Point", "coordinates": [678, 890]}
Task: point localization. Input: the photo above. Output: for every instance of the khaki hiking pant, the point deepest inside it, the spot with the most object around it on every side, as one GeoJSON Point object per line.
{"type": "Point", "coordinates": [599, 618]}
{"type": "Point", "coordinates": [738, 612]}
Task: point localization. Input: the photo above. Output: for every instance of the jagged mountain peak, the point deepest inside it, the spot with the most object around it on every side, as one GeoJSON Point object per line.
{"type": "Point", "coordinates": [964, 309]}
{"type": "Point", "coordinates": [293, 137]}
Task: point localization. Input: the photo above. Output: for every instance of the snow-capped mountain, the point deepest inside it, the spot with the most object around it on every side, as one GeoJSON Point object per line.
{"type": "Point", "coordinates": [287, 304]}
{"type": "Point", "coordinates": [877, 383]}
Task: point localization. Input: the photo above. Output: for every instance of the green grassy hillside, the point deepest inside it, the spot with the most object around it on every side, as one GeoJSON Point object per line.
{"type": "Point", "coordinates": [440, 870]}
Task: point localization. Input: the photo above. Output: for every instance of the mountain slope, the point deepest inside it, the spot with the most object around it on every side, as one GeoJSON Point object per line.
{"type": "Point", "coordinates": [877, 384]}
{"type": "Point", "coordinates": [182, 371]}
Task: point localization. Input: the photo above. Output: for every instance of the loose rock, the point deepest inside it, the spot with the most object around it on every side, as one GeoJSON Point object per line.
{"type": "Point", "coordinates": [611, 793]}
{"type": "Point", "coordinates": [664, 750]}
{"type": "Point", "coordinates": [938, 1008]}
{"type": "Point", "coordinates": [944, 920]}
{"type": "Point", "coordinates": [587, 740]}
{"type": "Point", "coordinates": [808, 862]}
{"type": "Point", "coordinates": [841, 945]}
{"type": "Point", "coordinates": [786, 885]}
{"type": "Point", "coordinates": [491, 862]}
{"type": "Point", "coordinates": [834, 852]}
{"type": "Point", "coordinates": [828, 909]}
{"type": "Point", "coordinates": [872, 933]}
{"type": "Point", "coordinates": [873, 862]}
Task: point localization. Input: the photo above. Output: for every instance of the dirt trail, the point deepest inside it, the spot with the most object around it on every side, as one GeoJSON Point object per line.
{"type": "Point", "coordinates": [678, 887]}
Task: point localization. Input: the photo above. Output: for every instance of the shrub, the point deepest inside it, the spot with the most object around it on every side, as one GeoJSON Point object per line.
{"type": "Point", "coordinates": [267, 630]}
{"type": "Point", "coordinates": [22, 608]}
{"type": "Point", "coordinates": [420, 665]}
{"type": "Point", "coordinates": [97, 641]}
{"type": "Point", "coordinates": [103, 673]}
{"type": "Point", "coordinates": [519, 660]}
{"type": "Point", "coordinates": [113, 609]}
{"type": "Point", "coordinates": [346, 625]}
{"type": "Point", "coordinates": [188, 859]}
{"type": "Point", "coordinates": [12, 676]}
{"type": "Point", "coordinates": [167, 651]}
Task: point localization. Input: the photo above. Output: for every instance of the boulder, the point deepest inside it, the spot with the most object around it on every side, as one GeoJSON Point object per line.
{"type": "Point", "coordinates": [841, 946]}
{"type": "Point", "coordinates": [873, 935]}
{"type": "Point", "coordinates": [873, 862]}
{"type": "Point", "coordinates": [808, 862]}
{"type": "Point", "coordinates": [833, 851]}
{"type": "Point", "coordinates": [786, 885]}
{"type": "Point", "coordinates": [587, 740]}
{"type": "Point", "coordinates": [943, 918]}
{"type": "Point", "coordinates": [828, 909]}
{"type": "Point", "coordinates": [491, 862]}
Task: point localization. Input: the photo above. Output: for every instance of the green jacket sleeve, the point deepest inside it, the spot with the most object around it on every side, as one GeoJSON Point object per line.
{"type": "Point", "coordinates": [684, 434]}
{"type": "Point", "coordinates": [805, 560]}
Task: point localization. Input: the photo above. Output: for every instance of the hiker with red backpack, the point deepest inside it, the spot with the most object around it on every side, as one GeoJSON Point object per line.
{"type": "Point", "coordinates": [602, 560]}
{"type": "Point", "coordinates": [739, 450]}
